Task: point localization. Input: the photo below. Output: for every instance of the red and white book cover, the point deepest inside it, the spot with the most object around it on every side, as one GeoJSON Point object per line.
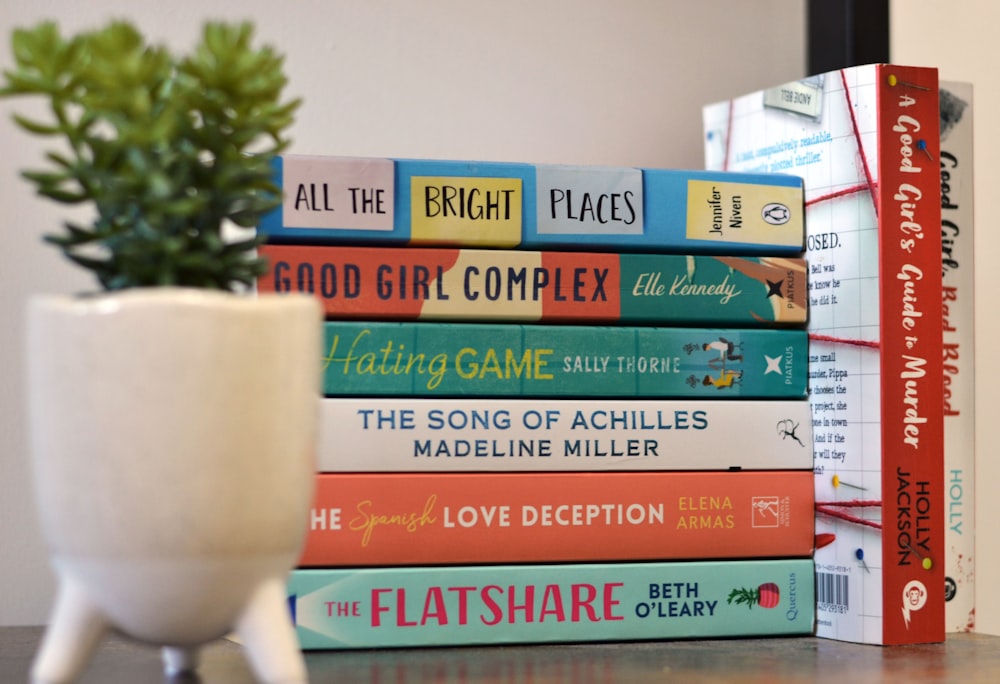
{"type": "Point", "coordinates": [866, 142]}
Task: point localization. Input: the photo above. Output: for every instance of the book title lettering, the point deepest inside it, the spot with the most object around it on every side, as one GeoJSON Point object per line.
{"type": "Point", "coordinates": [908, 197]}
{"type": "Point", "coordinates": [550, 419]}
{"type": "Point", "coordinates": [691, 513]}
{"type": "Point", "coordinates": [433, 282]}
{"type": "Point", "coordinates": [950, 235]}
{"type": "Point", "coordinates": [317, 197]}
{"type": "Point", "coordinates": [469, 363]}
{"type": "Point", "coordinates": [494, 604]}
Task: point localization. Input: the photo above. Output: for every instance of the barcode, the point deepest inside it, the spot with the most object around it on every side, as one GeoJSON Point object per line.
{"type": "Point", "coordinates": [832, 595]}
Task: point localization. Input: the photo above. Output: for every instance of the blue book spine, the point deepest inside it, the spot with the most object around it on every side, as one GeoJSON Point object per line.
{"type": "Point", "coordinates": [344, 200]}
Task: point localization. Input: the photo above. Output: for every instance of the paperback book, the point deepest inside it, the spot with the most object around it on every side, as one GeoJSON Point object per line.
{"type": "Point", "coordinates": [535, 360]}
{"type": "Point", "coordinates": [957, 256]}
{"type": "Point", "coordinates": [405, 283]}
{"type": "Point", "coordinates": [378, 519]}
{"type": "Point", "coordinates": [527, 604]}
{"type": "Point", "coordinates": [405, 434]}
{"type": "Point", "coordinates": [349, 200]}
{"type": "Point", "coordinates": [866, 141]}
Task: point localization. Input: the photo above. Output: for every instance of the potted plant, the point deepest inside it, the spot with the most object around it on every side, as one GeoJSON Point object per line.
{"type": "Point", "coordinates": [172, 412]}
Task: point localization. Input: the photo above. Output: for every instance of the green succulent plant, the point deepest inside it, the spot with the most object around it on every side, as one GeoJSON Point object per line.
{"type": "Point", "coordinates": [166, 148]}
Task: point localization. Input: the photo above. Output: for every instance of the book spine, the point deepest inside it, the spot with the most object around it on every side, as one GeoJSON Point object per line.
{"type": "Point", "coordinates": [385, 283]}
{"type": "Point", "coordinates": [959, 348]}
{"type": "Point", "coordinates": [343, 200]}
{"type": "Point", "coordinates": [469, 518]}
{"type": "Point", "coordinates": [913, 496]}
{"type": "Point", "coordinates": [533, 360]}
{"type": "Point", "coordinates": [396, 434]}
{"type": "Point", "coordinates": [528, 604]}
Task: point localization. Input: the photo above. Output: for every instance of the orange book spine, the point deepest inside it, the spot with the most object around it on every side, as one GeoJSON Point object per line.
{"type": "Point", "coordinates": [449, 518]}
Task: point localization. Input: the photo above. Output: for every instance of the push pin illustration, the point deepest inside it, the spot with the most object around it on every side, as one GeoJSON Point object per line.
{"type": "Point", "coordinates": [893, 81]}
{"type": "Point", "coordinates": [860, 555]}
{"type": "Point", "coordinates": [925, 561]}
{"type": "Point", "coordinates": [837, 482]}
{"type": "Point", "coordinates": [922, 145]}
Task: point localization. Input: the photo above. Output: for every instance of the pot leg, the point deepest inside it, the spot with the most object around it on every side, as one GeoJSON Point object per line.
{"type": "Point", "coordinates": [267, 632]}
{"type": "Point", "coordinates": [179, 659]}
{"type": "Point", "coordinates": [75, 629]}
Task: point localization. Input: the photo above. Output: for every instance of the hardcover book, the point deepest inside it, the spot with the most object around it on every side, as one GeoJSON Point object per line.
{"type": "Point", "coordinates": [376, 519]}
{"type": "Point", "coordinates": [866, 141]}
{"type": "Point", "coordinates": [405, 283]}
{"type": "Point", "coordinates": [400, 434]}
{"type": "Point", "coordinates": [957, 257]}
{"type": "Point", "coordinates": [528, 604]}
{"type": "Point", "coordinates": [508, 205]}
{"type": "Point", "coordinates": [534, 360]}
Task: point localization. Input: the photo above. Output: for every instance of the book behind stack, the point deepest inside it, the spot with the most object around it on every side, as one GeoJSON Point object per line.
{"type": "Point", "coordinates": [957, 255]}
{"type": "Point", "coordinates": [866, 140]}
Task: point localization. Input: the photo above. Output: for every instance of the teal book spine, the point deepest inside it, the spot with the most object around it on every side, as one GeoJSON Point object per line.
{"type": "Point", "coordinates": [528, 604]}
{"type": "Point", "coordinates": [345, 200]}
{"type": "Point", "coordinates": [496, 359]}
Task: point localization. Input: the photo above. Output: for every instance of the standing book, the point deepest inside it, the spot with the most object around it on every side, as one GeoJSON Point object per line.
{"type": "Point", "coordinates": [959, 349]}
{"type": "Point", "coordinates": [866, 141]}
{"type": "Point", "coordinates": [380, 519]}
{"type": "Point", "coordinates": [528, 604]}
{"type": "Point", "coordinates": [344, 200]}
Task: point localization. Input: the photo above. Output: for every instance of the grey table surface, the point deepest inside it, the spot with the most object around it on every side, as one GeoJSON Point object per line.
{"type": "Point", "coordinates": [962, 658]}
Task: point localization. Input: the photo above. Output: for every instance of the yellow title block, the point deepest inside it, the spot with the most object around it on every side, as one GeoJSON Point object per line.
{"type": "Point", "coordinates": [466, 210]}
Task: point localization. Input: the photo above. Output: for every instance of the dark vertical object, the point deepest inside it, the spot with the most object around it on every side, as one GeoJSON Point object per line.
{"type": "Point", "coordinates": [844, 33]}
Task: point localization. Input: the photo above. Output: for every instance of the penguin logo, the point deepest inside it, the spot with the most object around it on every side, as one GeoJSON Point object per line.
{"type": "Point", "coordinates": [776, 214]}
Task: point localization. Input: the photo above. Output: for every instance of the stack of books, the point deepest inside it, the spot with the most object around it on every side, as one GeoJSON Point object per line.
{"type": "Point", "coordinates": [866, 142]}
{"type": "Point", "coordinates": [561, 403]}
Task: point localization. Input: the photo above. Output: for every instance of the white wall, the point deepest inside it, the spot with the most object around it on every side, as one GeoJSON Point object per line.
{"type": "Point", "coordinates": [959, 38]}
{"type": "Point", "coordinates": [564, 81]}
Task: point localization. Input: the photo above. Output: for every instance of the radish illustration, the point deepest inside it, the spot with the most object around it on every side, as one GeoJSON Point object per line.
{"type": "Point", "coordinates": [766, 595]}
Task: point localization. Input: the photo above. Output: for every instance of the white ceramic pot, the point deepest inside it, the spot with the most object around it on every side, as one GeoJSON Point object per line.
{"type": "Point", "coordinates": [173, 446]}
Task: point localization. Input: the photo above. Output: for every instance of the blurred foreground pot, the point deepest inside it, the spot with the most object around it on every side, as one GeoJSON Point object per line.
{"type": "Point", "coordinates": [173, 440]}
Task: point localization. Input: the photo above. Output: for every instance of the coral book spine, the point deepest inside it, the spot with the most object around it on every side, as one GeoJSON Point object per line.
{"type": "Point", "coordinates": [454, 518]}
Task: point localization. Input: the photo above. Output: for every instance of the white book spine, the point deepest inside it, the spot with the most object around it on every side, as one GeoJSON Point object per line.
{"type": "Point", "coordinates": [510, 435]}
{"type": "Point", "coordinates": [959, 386]}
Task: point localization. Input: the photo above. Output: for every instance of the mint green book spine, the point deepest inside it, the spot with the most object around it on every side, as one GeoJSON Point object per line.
{"type": "Point", "coordinates": [527, 604]}
{"type": "Point", "coordinates": [478, 359]}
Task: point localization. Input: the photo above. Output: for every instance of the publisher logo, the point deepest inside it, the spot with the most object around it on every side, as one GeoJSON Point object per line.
{"type": "Point", "coordinates": [766, 511]}
{"type": "Point", "coordinates": [776, 214]}
{"type": "Point", "coordinates": [914, 598]}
